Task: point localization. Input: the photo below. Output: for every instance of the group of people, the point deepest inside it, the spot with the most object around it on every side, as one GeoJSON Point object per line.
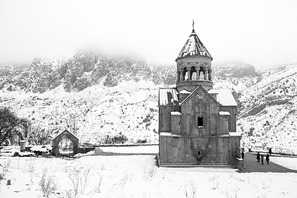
{"type": "Point", "coordinates": [262, 158]}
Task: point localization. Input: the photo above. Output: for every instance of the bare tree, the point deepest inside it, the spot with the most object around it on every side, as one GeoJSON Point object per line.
{"type": "Point", "coordinates": [12, 126]}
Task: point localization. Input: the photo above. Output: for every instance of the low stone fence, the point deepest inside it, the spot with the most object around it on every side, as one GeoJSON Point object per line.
{"type": "Point", "coordinates": [85, 149]}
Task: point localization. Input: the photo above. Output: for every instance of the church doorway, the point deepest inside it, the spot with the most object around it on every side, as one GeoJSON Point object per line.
{"type": "Point", "coordinates": [66, 146]}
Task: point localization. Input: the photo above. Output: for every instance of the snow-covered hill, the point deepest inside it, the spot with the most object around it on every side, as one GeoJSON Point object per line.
{"type": "Point", "coordinates": [129, 109]}
{"type": "Point", "coordinates": [97, 97]}
{"type": "Point", "coordinates": [235, 76]}
{"type": "Point", "coordinates": [100, 97]}
{"type": "Point", "coordinates": [267, 114]}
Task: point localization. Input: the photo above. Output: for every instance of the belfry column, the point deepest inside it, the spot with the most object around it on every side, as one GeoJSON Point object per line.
{"type": "Point", "coordinates": [181, 76]}
{"type": "Point", "coordinates": [206, 75]}
{"type": "Point", "coordinates": [189, 74]}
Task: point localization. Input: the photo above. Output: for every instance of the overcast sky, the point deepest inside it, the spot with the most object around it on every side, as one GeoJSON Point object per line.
{"type": "Point", "coordinates": [260, 32]}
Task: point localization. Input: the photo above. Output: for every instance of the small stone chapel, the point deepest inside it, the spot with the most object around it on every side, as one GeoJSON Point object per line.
{"type": "Point", "coordinates": [197, 124]}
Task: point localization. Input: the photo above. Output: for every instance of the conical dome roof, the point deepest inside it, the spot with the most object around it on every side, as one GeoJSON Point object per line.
{"type": "Point", "coordinates": [194, 47]}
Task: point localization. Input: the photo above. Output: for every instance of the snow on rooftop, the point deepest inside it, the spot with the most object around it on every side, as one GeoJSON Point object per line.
{"type": "Point", "coordinates": [193, 47]}
{"type": "Point", "coordinates": [184, 92]}
{"type": "Point", "coordinates": [224, 97]}
{"type": "Point", "coordinates": [235, 133]}
{"type": "Point", "coordinates": [232, 134]}
{"type": "Point", "coordinates": [66, 131]}
{"type": "Point", "coordinates": [169, 134]}
{"type": "Point", "coordinates": [224, 113]}
{"type": "Point", "coordinates": [175, 113]}
{"type": "Point", "coordinates": [167, 96]}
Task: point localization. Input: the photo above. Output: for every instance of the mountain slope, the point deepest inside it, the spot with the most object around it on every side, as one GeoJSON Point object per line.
{"type": "Point", "coordinates": [96, 96]}
{"type": "Point", "coordinates": [93, 96]}
{"type": "Point", "coordinates": [129, 109]}
{"type": "Point", "coordinates": [268, 111]}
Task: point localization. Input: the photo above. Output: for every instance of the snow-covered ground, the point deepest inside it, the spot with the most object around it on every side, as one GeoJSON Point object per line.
{"type": "Point", "coordinates": [288, 162]}
{"type": "Point", "coordinates": [129, 149]}
{"type": "Point", "coordinates": [136, 176]}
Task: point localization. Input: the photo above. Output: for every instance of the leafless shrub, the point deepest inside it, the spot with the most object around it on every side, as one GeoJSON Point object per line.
{"type": "Point", "coordinates": [122, 182]}
{"type": "Point", "coordinates": [31, 170]}
{"type": "Point", "coordinates": [48, 183]}
{"type": "Point", "coordinates": [231, 195]}
{"type": "Point", "coordinates": [98, 187]}
{"type": "Point", "coordinates": [149, 172]}
{"type": "Point", "coordinates": [79, 178]}
{"type": "Point", "coordinates": [191, 190]}
{"type": "Point", "coordinates": [68, 194]}
{"type": "Point", "coordinates": [102, 167]}
{"type": "Point", "coordinates": [214, 182]}
{"type": "Point", "coordinates": [5, 167]}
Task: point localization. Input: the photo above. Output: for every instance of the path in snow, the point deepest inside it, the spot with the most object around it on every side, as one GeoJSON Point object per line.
{"type": "Point", "coordinates": [251, 165]}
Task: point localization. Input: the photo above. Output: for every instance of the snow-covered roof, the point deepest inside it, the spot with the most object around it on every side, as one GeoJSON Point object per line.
{"type": "Point", "coordinates": [224, 97]}
{"type": "Point", "coordinates": [232, 134]}
{"type": "Point", "coordinates": [235, 133]}
{"type": "Point", "coordinates": [175, 113]}
{"type": "Point", "coordinates": [66, 131]}
{"type": "Point", "coordinates": [169, 134]}
{"type": "Point", "coordinates": [193, 47]}
{"type": "Point", "coordinates": [184, 92]}
{"type": "Point", "coordinates": [224, 113]}
{"type": "Point", "coordinates": [167, 96]}
{"type": "Point", "coordinates": [198, 87]}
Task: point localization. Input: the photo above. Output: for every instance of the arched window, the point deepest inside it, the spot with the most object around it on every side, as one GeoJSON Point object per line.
{"type": "Point", "coordinates": [201, 73]}
{"type": "Point", "coordinates": [185, 74]}
{"type": "Point", "coordinates": [193, 73]}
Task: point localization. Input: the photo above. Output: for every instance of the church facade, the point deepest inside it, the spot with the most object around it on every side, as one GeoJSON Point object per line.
{"type": "Point", "coordinates": [197, 124]}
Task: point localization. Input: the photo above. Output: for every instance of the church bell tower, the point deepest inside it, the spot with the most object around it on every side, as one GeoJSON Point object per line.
{"type": "Point", "coordinates": [194, 65]}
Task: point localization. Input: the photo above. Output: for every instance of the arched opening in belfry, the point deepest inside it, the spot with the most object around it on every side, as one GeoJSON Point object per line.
{"type": "Point", "coordinates": [178, 76]}
{"type": "Point", "coordinates": [201, 73]}
{"type": "Point", "coordinates": [185, 74]}
{"type": "Point", "coordinates": [193, 73]}
{"type": "Point", "coordinates": [209, 74]}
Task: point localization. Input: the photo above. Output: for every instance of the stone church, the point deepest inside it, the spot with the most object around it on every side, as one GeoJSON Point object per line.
{"type": "Point", "coordinates": [197, 124]}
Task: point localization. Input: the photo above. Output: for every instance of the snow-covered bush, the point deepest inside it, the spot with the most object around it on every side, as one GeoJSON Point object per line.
{"type": "Point", "coordinates": [116, 139]}
{"type": "Point", "coordinates": [31, 170]}
{"type": "Point", "coordinates": [149, 171]}
{"type": "Point", "coordinates": [48, 183]}
{"type": "Point", "coordinates": [190, 190]}
{"type": "Point", "coordinates": [79, 178]}
{"type": "Point", "coordinates": [4, 168]}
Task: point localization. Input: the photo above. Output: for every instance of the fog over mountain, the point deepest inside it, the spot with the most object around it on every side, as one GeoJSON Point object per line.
{"type": "Point", "coordinates": [260, 33]}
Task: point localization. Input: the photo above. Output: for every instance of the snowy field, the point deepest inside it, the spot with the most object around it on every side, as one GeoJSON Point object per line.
{"type": "Point", "coordinates": [154, 149]}
{"type": "Point", "coordinates": [135, 176]}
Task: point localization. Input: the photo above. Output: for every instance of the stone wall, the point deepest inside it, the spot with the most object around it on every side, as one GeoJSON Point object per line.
{"type": "Point", "coordinates": [232, 119]}
{"type": "Point", "coordinates": [59, 138]}
{"type": "Point", "coordinates": [198, 150]}
{"type": "Point", "coordinates": [200, 104]}
{"type": "Point", "coordinates": [165, 116]}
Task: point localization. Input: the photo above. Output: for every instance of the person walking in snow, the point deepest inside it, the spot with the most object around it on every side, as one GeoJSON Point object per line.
{"type": "Point", "coordinates": [267, 158]}
{"type": "Point", "coordinates": [270, 151]}
{"type": "Point", "coordinates": [258, 157]}
{"type": "Point", "coordinates": [242, 154]}
{"type": "Point", "coordinates": [262, 159]}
